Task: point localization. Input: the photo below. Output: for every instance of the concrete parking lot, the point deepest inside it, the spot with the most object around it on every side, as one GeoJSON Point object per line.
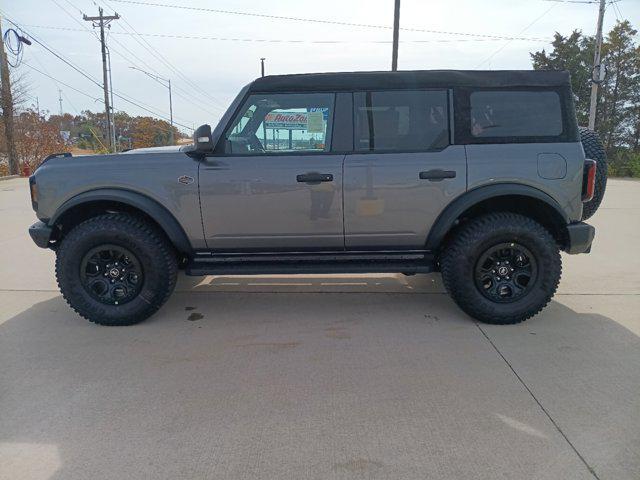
{"type": "Point", "coordinates": [323, 377]}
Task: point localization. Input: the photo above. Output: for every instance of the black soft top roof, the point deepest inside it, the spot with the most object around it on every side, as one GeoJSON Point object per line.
{"type": "Point", "coordinates": [410, 79]}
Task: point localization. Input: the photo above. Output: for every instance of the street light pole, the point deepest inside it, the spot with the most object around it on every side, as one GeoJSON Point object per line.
{"type": "Point", "coordinates": [170, 110]}
{"type": "Point", "coordinates": [167, 85]}
{"type": "Point", "coordinates": [114, 145]}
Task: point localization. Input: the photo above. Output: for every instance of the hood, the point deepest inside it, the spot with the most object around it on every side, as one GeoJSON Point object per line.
{"type": "Point", "coordinates": [169, 149]}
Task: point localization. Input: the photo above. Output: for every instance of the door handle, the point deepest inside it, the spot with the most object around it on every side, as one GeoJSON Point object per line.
{"type": "Point", "coordinates": [314, 177]}
{"type": "Point", "coordinates": [437, 175]}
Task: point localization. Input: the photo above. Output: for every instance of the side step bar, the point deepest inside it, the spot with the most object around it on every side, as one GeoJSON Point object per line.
{"type": "Point", "coordinates": [303, 263]}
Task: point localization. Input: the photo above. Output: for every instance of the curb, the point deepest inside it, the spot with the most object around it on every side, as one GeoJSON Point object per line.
{"type": "Point", "coordinates": [9, 177]}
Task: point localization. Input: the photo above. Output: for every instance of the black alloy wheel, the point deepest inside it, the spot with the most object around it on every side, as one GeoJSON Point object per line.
{"type": "Point", "coordinates": [506, 272]}
{"type": "Point", "coordinates": [111, 274]}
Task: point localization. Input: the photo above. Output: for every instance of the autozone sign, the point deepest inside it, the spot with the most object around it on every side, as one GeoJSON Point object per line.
{"type": "Point", "coordinates": [287, 120]}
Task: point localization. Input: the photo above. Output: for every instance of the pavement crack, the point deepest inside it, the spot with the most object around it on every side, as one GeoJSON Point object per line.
{"type": "Point", "coordinates": [544, 410]}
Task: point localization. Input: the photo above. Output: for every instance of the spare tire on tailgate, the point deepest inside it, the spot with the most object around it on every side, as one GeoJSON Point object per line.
{"type": "Point", "coordinates": [594, 150]}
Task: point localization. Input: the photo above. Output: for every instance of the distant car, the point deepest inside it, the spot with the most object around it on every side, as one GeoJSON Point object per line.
{"type": "Point", "coordinates": [480, 175]}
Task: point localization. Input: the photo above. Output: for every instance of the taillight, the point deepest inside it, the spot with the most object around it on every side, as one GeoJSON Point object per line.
{"type": "Point", "coordinates": [33, 188]}
{"type": "Point", "coordinates": [589, 180]}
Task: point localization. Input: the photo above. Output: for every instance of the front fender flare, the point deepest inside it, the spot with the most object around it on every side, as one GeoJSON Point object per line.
{"type": "Point", "coordinates": [152, 208]}
{"type": "Point", "coordinates": [446, 220]}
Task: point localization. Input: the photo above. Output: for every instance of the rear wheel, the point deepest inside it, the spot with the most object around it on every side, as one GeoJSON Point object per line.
{"type": "Point", "coordinates": [501, 268]}
{"type": "Point", "coordinates": [594, 150]}
{"type": "Point", "coordinates": [116, 269]}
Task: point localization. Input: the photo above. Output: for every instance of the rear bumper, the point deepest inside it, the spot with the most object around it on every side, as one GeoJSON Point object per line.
{"type": "Point", "coordinates": [580, 237]}
{"type": "Point", "coordinates": [40, 234]}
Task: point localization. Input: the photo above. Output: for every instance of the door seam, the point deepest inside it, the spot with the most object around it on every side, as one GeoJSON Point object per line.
{"type": "Point", "coordinates": [344, 232]}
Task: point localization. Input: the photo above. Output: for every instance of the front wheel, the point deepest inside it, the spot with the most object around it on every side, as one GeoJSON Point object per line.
{"type": "Point", "coordinates": [116, 269]}
{"type": "Point", "coordinates": [501, 268]}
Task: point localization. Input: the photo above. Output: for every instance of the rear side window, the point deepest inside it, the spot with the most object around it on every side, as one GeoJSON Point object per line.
{"type": "Point", "coordinates": [401, 120]}
{"type": "Point", "coordinates": [515, 114]}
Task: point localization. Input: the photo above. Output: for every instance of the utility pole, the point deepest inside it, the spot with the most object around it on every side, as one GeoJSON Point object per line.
{"type": "Point", "coordinates": [262, 66]}
{"type": "Point", "coordinates": [60, 100]}
{"type": "Point", "coordinates": [597, 68]}
{"type": "Point", "coordinates": [168, 85]}
{"type": "Point", "coordinates": [7, 109]}
{"type": "Point", "coordinates": [102, 21]}
{"type": "Point", "coordinates": [396, 35]}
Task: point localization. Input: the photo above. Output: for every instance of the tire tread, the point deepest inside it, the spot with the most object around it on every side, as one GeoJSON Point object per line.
{"type": "Point", "coordinates": [141, 231]}
{"type": "Point", "coordinates": [462, 245]}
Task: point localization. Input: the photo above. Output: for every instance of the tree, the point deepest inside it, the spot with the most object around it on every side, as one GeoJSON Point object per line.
{"type": "Point", "coordinates": [575, 54]}
{"type": "Point", "coordinates": [621, 85]}
{"type": "Point", "coordinates": [36, 138]}
{"type": "Point", "coordinates": [150, 132]}
{"type": "Point", "coordinates": [618, 109]}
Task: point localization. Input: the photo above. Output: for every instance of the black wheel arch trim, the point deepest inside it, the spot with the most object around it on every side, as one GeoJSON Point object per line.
{"type": "Point", "coordinates": [447, 218]}
{"type": "Point", "coordinates": [139, 201]}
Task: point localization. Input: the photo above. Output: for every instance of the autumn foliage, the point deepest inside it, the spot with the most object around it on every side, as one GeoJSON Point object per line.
{"type": "Point", "coordinates": [35, 138]}
{"type": "Point", "coordinates": [39, 135]}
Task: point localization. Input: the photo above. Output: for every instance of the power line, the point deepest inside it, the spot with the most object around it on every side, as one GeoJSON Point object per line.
{"type": "Point", "coordinates": [87, 30]}
{"type": "Point", "coordinates": [62, 83]}
{"type": "Point", "coordinates": [134, 102]}
{"type": "Point", "coordinates": [58, 81]}
{"type": "Point", "coordinates": [124, 47]}
{"type": "Point", "coordinates": [72, 17]}
{"type": "Point", "coordinates": [521, 31]}
{"type": "Point", "coordinates": [178, 89]}
{"type": "Point", "coordinates": [572, 1]}
{"type": "Point", "coordinates": [167, 63]}
{"type": "Point", "coordinates": [278, 40]}
{"type": "Point", "coordinates": [617, 11]}
{"type": "Point", "coordinates": [56, 54]}
{"type": "Point", "coordinates": [320, 21]}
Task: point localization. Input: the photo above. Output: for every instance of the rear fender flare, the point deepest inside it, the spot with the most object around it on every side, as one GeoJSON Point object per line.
{"type": "Point", "coordinates": [447, 219]}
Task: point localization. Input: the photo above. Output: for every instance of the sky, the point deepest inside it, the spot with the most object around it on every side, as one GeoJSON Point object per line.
{"type": "Point", "coordinates": [206, 72]}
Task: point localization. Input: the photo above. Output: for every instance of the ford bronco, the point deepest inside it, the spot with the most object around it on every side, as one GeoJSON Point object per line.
{"type": "Point", "coordinates": [479, 175]}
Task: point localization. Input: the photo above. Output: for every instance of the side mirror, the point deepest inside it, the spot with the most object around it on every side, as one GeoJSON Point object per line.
{"type": "Point", "coordinates": [202, 139]}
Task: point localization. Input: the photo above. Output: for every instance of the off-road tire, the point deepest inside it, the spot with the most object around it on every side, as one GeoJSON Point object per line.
{"type": "Point", "coordinates": [153, 251]}
{"type": "Point", "coordinates": [594, 150]}
{"type": "Point", "coordinates": [460, 256]}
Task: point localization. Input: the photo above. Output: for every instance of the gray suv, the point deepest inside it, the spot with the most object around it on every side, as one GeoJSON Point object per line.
{"type": "Point", "coordinates": [480, 175]}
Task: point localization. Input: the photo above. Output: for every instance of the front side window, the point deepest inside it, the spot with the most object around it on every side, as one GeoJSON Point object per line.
{"type": "Point", "coordinates": [401, 120]}
{"type": "Point", "coordinates": [515, 114]}
{"type": "Point", "coordinates": [281, 123]}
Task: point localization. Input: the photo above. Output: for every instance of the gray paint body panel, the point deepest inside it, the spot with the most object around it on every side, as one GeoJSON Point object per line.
{"type": "Point", "coordinates": [256, 203]}
{"type": "Point", "coordinates": [154, 175]}
{"type": "Point", "coordinates": [518, 163]}
{"type": "Point", "coordinates": [387, 205]}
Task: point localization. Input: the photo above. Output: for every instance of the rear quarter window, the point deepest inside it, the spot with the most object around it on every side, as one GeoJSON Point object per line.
{"type": "Point", "coordinates": [531, 114]}
{"type": "Point", "coordinates": [515, 114]}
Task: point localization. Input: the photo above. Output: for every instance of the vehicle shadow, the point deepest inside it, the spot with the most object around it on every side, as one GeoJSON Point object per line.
{"type": "Point", "coordinates": [314, 283]}
{"type": "Point", "coordinates": [293, 384]}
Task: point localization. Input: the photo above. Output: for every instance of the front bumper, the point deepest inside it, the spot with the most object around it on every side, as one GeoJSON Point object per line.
{"type": "Point", "coordinates": [41, 234]}
{"type": "Point", "coordinates": [580, 237]}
